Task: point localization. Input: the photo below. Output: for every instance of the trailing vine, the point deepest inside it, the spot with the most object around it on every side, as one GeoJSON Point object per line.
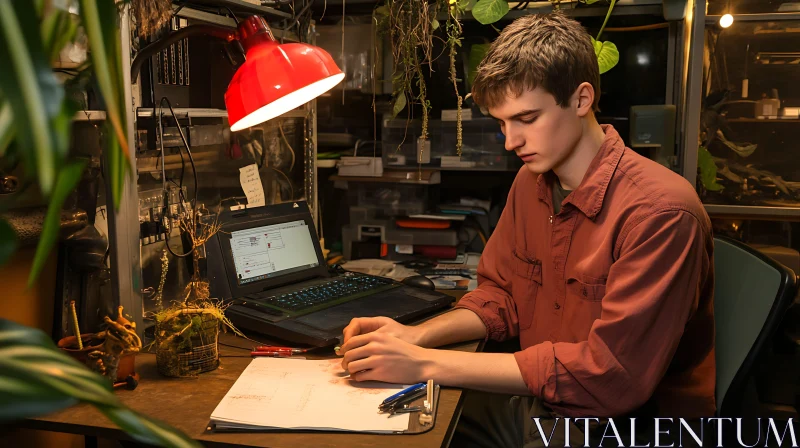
{"type": "Point", "coordinates": [454, 32]}
{"type": "Point", "coordinates": [410, 25]}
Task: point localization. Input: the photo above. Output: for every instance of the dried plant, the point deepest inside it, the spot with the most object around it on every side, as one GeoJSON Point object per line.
{"type": "Point", "coordinates": [454, 32]}
{"type": "Point", "coordinates": [159, 298]}
{"type": "Point", "coordinates": [409, 25]}
{"type": "Point", "coordinates": [151, 15]}
{"type": "Point", "coordinates": [199, 234]}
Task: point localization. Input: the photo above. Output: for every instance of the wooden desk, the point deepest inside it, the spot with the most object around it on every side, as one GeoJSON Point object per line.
{"type": "Point", "coordinates": [187, 403]}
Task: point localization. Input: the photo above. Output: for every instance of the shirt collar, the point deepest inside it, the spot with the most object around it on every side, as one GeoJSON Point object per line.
{"type": "Point", "coordinates": [589, 195]}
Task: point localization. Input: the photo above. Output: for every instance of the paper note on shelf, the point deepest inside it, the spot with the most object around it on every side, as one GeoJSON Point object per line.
{"type": "Point", "coordinates": [278, 393]}
{"type": "Point", "coordinates": [251, 184]}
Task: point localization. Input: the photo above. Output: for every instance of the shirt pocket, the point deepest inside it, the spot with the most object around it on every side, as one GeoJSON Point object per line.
{"type": "Point", "coordinates": [584, 300]}
{"type": "Point", "coordinates": [525, 285]}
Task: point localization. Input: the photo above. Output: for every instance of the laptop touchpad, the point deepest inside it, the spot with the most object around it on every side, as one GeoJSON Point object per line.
{"type": "Point", "coordinates": [378, 305]}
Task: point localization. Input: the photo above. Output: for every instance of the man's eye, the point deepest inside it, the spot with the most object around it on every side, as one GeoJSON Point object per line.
{"type": "Point", "coordinates": [528, 120]}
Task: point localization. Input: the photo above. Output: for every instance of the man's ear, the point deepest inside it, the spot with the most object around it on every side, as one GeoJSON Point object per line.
{"type": "Point", "coordinates": [584, 98]}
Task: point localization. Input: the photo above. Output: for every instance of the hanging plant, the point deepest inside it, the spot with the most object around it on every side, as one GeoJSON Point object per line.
{"type": "Point", "coordinates": [409, 25]}
{"type": "Point", "coordinates": [607, 53]}
{"type": "Point", "coordinates": [454, 31]}
{"type": "Point", "coordinates": [490, 11]}
{"type": "Point", "coordinates": [151, 15]}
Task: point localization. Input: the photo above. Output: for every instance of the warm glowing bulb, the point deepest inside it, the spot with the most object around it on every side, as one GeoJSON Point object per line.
{"type": "Point", "coordinates": [726, 21]}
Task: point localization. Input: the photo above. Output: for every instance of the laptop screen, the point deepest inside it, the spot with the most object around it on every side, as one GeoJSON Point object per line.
{"type": "Point", "coordinates": [267, 252]}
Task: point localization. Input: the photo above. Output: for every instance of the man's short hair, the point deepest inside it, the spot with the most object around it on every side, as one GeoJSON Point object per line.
{"type": "Point", "coordinates": [549, 51]}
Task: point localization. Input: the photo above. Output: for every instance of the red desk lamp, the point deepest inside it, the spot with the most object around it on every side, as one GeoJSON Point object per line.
{"type": "Point", "coordinates": [274, 79]}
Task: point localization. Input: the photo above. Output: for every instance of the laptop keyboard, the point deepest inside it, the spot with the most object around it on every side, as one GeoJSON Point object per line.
{"type": "Point", "coordinates": [308, 299]}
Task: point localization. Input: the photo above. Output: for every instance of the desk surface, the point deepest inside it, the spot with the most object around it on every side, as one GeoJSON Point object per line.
{"type": "Point", "coordinates": [187, 403]}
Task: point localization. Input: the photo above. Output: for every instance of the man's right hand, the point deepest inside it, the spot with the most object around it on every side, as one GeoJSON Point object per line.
{"type": "Point", "coordinates": [364, 325]}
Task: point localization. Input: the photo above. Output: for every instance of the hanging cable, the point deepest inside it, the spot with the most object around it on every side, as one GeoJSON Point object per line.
{"type": "Point", "coordinates": [286, 141]}
{"type": "Point", "coordinates": [165, 207]}
{"type": "Point", "coordinates": [235, 19]}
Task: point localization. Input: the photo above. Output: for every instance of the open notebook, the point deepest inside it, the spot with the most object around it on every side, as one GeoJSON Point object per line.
{"type": "Point", "coordinates": [299, 394]}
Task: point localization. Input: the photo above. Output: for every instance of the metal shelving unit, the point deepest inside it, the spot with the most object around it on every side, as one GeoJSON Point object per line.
{"type": "Point", "coordinates": [621, 8]}
{"type": "Point", "coordinates": [694, 107]}
{"type": "Point", "coordinates": [766, 17]}
{"type": "Point", "coordinates": [197, 112]}
{"type": "Point", "coordinates": [198, 15]}
{"type": "Point", "coordinates": [761, 213]}
{"type": "Point", "coordinates": [245, 7]}
{"type": "Point", "coordinates": [124, 230]}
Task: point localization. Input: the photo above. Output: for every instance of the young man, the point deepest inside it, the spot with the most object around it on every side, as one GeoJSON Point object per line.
{"type": "Point", "coordinates": [601, 262]}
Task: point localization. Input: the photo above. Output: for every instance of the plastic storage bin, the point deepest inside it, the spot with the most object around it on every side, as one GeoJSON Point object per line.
{"type": "Point", "coordinates": [388, 200]}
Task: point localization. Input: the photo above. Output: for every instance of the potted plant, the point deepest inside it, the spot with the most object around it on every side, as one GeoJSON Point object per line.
{"type": "Point", "coordinates": [36, 377]}
{"type": "Point", "coordinates": [187, 331]}
{"type": "Point", "coordinates": [111, 352]}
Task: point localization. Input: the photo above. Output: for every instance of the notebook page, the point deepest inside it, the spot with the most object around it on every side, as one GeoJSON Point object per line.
{"type": "Point", "coordinates": [306, 394]}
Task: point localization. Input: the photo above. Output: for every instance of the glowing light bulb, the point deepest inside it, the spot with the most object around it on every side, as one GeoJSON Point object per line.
{"type": "Point", "coordinates": [726, 21]}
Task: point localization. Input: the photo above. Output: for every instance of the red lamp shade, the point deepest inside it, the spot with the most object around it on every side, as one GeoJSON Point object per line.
{"type": "Point", "coordinates": [275, 78]}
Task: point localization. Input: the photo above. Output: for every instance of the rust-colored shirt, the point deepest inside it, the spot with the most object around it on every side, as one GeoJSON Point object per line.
{"type": "Point", "coordinates": [612, 298]}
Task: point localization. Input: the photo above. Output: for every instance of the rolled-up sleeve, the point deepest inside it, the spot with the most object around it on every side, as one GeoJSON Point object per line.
{"type": "Point", "coordinates": [652, 290]}
{"type": "Point", "coordinates": [492, 300]}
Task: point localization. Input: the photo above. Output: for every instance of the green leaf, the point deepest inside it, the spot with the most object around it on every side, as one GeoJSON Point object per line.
{"type": "Point", "coordinates": [489, 11]}
{"type": "Point", "coordinates": [115, 173]}
{"type": "Point", "coordinates": [100, 21]}
{"type": "Point", "coordinates": [98, 34]}
{"type": "Point", "coordinates": [434, 24]}
{"type": "Point", "coordinates": [8, 241]}
{"type": "Point", "coordinates": [38, 378]}
{"type": "Point", "coordinates": [7, 130]}
{"type": "Point", "coordinates": [399, 104]}
{"type": "Point", "coordinates": [607, 55]}
{"type": "Point", "coordinates": [476, 54]}
{"type": "Point", "coordinates": [590, 2]}
{"type": "Point", "coordinates": [68, 178]}
{"type": "Point", "coordinates": [31, 89]}
{"type": "Point", "coordinates": [708, 170]}
{"type": "Point", "coordinates": [381, 11]}
{"type": "Point", "coordinates": [147, 430]}
{"type": "Point", "coordinates": [57, 28]}
{"type": "Point", "coordinates": [15, 405]}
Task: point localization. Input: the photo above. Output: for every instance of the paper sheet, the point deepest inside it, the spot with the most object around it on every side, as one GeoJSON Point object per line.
{"type": "Point", "coordinates": [251, 184]}
{"type": "Point", "coordinates": [305, 394]}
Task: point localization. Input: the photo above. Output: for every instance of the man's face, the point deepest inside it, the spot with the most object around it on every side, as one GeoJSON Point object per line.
{"type": "Point", "coordinates": [538, 130]}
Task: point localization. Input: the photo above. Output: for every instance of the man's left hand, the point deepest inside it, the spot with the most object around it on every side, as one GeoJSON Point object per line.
{"type": "Point", "coordinates": [382, 357]}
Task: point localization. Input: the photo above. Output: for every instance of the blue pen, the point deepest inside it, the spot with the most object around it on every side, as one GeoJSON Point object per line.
{"type": "Point", "coordinates": [403, 392]}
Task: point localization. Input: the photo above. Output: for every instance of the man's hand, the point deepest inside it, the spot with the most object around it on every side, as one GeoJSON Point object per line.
{"type": "Point", "coordinates": [382, 356]}
{"type": "Point", "coordinates": [364, 325]}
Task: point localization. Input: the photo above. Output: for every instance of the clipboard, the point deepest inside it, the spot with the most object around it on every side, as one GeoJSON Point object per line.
{"type": "Point", "coordinates": [282, 395]}
{"type": "Point", "coordinates": [414, 425]}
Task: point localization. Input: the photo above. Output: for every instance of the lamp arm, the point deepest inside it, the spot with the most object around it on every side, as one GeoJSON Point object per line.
{"type": "Point", "coordinates": [145, 53]}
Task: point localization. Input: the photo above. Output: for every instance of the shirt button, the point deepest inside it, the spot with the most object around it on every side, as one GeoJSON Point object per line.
{"type": "Point", "coordinates": [556, 305]}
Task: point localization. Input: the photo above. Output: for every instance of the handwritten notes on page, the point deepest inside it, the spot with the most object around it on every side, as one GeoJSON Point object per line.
{"type": "Point", "coordinates": [279, 393]}
{"type": "Point", "coordinates": [251, 184]}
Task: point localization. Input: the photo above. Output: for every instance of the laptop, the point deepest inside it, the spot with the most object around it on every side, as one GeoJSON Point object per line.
{"type": "Point", "coordinates": [266, 263]}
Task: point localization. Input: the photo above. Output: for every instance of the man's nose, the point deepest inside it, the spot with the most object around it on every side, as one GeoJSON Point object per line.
{"type": "Point", "coordinates": [513, 139]}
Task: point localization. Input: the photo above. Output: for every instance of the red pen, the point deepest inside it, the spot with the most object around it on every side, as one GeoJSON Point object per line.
{"type": "Point", "coordinates": [276, 348]}
{"type": "Point", "coordinates": [272, 354]}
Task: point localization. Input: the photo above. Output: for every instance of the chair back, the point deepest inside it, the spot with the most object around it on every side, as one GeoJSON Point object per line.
{"type": "Point", "coordinates": [751, 295]}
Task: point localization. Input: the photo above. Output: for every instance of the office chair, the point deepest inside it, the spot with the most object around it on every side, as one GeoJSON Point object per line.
{"type": "Point", "coordinates": [751, 295]}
